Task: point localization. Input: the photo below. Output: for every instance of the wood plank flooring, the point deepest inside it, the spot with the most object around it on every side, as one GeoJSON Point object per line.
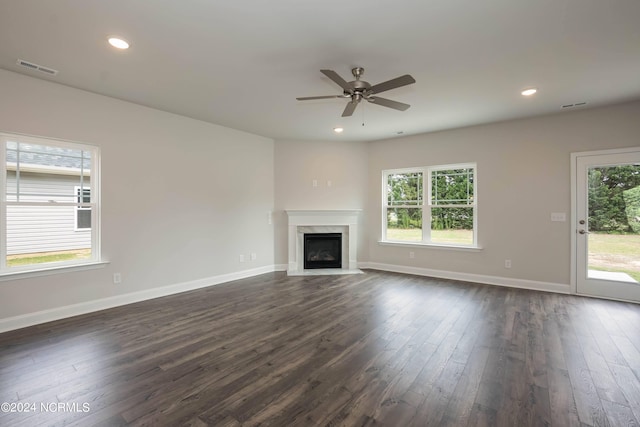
{"type": "Point", "coordinates": [371, 349]}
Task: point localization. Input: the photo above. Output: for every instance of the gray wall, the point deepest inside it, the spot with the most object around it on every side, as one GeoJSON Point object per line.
{"type": "Point", "coordinates": [299, 163]}
{"type": "Point", "coordinates": [181, 198]}
{"type": "Point", "coordinates": [523, 176]}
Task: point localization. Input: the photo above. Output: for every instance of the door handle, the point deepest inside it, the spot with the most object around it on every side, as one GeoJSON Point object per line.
{"type": "Point", "coordinates": [583, 232]}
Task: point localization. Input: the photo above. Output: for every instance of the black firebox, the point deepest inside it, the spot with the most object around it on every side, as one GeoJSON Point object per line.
{"type": "Point", "coordinates": [323, 250]}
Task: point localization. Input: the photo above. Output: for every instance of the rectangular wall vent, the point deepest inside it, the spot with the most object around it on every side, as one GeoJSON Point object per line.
{"type": "Point", "coordinates": [577, 104]}
{"type": "Point", "coordinates": [36, 67]}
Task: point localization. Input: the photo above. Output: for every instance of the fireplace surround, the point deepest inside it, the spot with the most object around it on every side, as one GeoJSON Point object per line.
{"type": "Point", "coordinates": [343, 222]}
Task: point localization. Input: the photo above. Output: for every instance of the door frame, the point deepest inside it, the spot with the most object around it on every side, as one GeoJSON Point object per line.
{"type": "Point", "coordinates": [574, 209]}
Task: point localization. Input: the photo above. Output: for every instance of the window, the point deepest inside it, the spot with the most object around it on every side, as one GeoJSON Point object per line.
{"type": "Point", "coordinates": [83, 210]}
{"type": "Point", "coordinates": [50, 193]}
{"type": "Point", "coordinates": [431, 205]}
{"type": "Point", "coordinates": [405, 195]}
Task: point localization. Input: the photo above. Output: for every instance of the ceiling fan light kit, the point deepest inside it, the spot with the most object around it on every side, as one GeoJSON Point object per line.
{"type": "Point", "coordinates": [357, 90]}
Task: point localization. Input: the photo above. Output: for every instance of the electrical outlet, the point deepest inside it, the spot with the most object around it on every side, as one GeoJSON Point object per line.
{"type": "Point", "coordinates": [254, 256]}
{"type": "Point", "coordinates": [507, 263]}
{"type": "Point", "coordinates": [329, 183]}
{"type": "Point", "coordinates": [117, 278]}
{"type": "Point", "coordinates": [241, 258]}
{"type": "Point", "coordinates": [412, 255]}
{"type": "Point", "coordinates": [315, 182]}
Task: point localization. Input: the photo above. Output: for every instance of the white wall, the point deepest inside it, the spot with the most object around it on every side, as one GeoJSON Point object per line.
{"type": "Point", "coordinates": [523, 172]}
{"type": "Point", "coordinates": [299, 163]}
{"type": "Point", "coordinates": [181, 198]}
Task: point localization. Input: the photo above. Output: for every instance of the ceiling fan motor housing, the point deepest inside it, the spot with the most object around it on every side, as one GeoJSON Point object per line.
{"type": "Point", "coordinates": [360, 85]}
{"type": "Point", "coordinates": [361, 89]}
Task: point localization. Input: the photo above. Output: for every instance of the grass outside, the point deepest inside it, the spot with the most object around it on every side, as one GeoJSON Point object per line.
{"type": "Point", "coordinates": [615, 253]}
{"type": "Point", "coordinates": [607, 252]}
{"type": "Point", "coordinates": [45, 257]}
{"type": "Point", "coordinates": [459, 237]}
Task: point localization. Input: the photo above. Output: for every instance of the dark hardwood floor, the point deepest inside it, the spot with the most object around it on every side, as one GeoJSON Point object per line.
{"type": "Point", "coordinates": [370, 349]}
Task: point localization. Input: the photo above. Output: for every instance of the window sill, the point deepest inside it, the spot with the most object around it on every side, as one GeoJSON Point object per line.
{"type": "Point", "coordinates": [431, 245]}
{"type": "Point", "coordinates": [25, 274]}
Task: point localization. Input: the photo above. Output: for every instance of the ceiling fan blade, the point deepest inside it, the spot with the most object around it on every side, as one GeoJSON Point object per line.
{"type": "Point", "coordinates": [388, 103]}
{"type": "Point", "coordinates": [393, 83]}
{"type": "Point", "coordinates": [349, 109]}
{"type": "Point", "coordinates": [337, 79]}
{"type": "Point", "coordinates": [308, 98]}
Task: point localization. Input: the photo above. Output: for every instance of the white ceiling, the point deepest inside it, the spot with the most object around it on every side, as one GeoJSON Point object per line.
{"type": "Point", "coordinates": [241, 64]}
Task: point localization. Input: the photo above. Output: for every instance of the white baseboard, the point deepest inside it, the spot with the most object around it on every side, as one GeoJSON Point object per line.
{"type": "Point", "coordinates": [30, 319]}
{"type": "Point", "coordinates": [280, 267]}
{"type": "Point", "coordinates": [560, 288]}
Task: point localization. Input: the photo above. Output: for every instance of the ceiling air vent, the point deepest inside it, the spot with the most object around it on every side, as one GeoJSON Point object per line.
{"type": "Point", "coordinates": [577, 104]}
{"type": "Point", "coordinates": [36, 67]}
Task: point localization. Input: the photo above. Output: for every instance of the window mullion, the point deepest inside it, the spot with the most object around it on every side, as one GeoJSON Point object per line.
{"type": "Point", "coordinates": [426, 208]}
{"type": "Point", "coordinates": [426, 224]}
{"type": "Point", "coordinates": [82, 175]}
{"type": "Point", "coordinates": [17, 172]}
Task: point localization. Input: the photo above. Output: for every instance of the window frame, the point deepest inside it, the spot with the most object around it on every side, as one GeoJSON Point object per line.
{"type": "Point", "coordinates": [94, 188]}
{"type": "Point", "coordinates": [427, 205]}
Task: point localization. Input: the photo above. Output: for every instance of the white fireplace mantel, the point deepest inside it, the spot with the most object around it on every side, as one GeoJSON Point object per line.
{"type": "Point", "coordinates": [323, 221]}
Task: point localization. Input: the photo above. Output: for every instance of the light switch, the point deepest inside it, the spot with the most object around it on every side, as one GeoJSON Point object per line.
{"type": "Point", "coordinates": [558, 216]}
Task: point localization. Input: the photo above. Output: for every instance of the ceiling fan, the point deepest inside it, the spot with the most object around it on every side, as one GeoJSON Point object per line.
{"type": "Point", "coordinates": [358, 90]}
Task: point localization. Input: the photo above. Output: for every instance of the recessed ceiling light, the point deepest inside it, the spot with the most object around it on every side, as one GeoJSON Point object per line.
{"type": "Point", "coordinates": [118, 43]}
{"type": "Point", "coordinates": [529, 92]}
{"type": "Point", "coordinates": [338, 130]}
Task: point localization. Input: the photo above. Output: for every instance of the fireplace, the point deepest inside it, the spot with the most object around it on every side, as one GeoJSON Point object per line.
{"type": "Point", "coordinates": [303, 222]}
{"type": "Point", "coordinates": [322, 250]}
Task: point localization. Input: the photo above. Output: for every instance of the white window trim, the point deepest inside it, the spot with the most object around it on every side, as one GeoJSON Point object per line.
{"type": "Point", "coordinates": [443, 246]}
{"type": "Point", "coordinates": [7, 273]}
{"type": "Point", "coordinates": [52, 268]}
{"type": "Point", "coordinates": [427, 206]}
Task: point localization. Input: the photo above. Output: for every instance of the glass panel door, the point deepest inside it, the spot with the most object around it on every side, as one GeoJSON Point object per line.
{"type": "Point", "coordinates": [608, 225]}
